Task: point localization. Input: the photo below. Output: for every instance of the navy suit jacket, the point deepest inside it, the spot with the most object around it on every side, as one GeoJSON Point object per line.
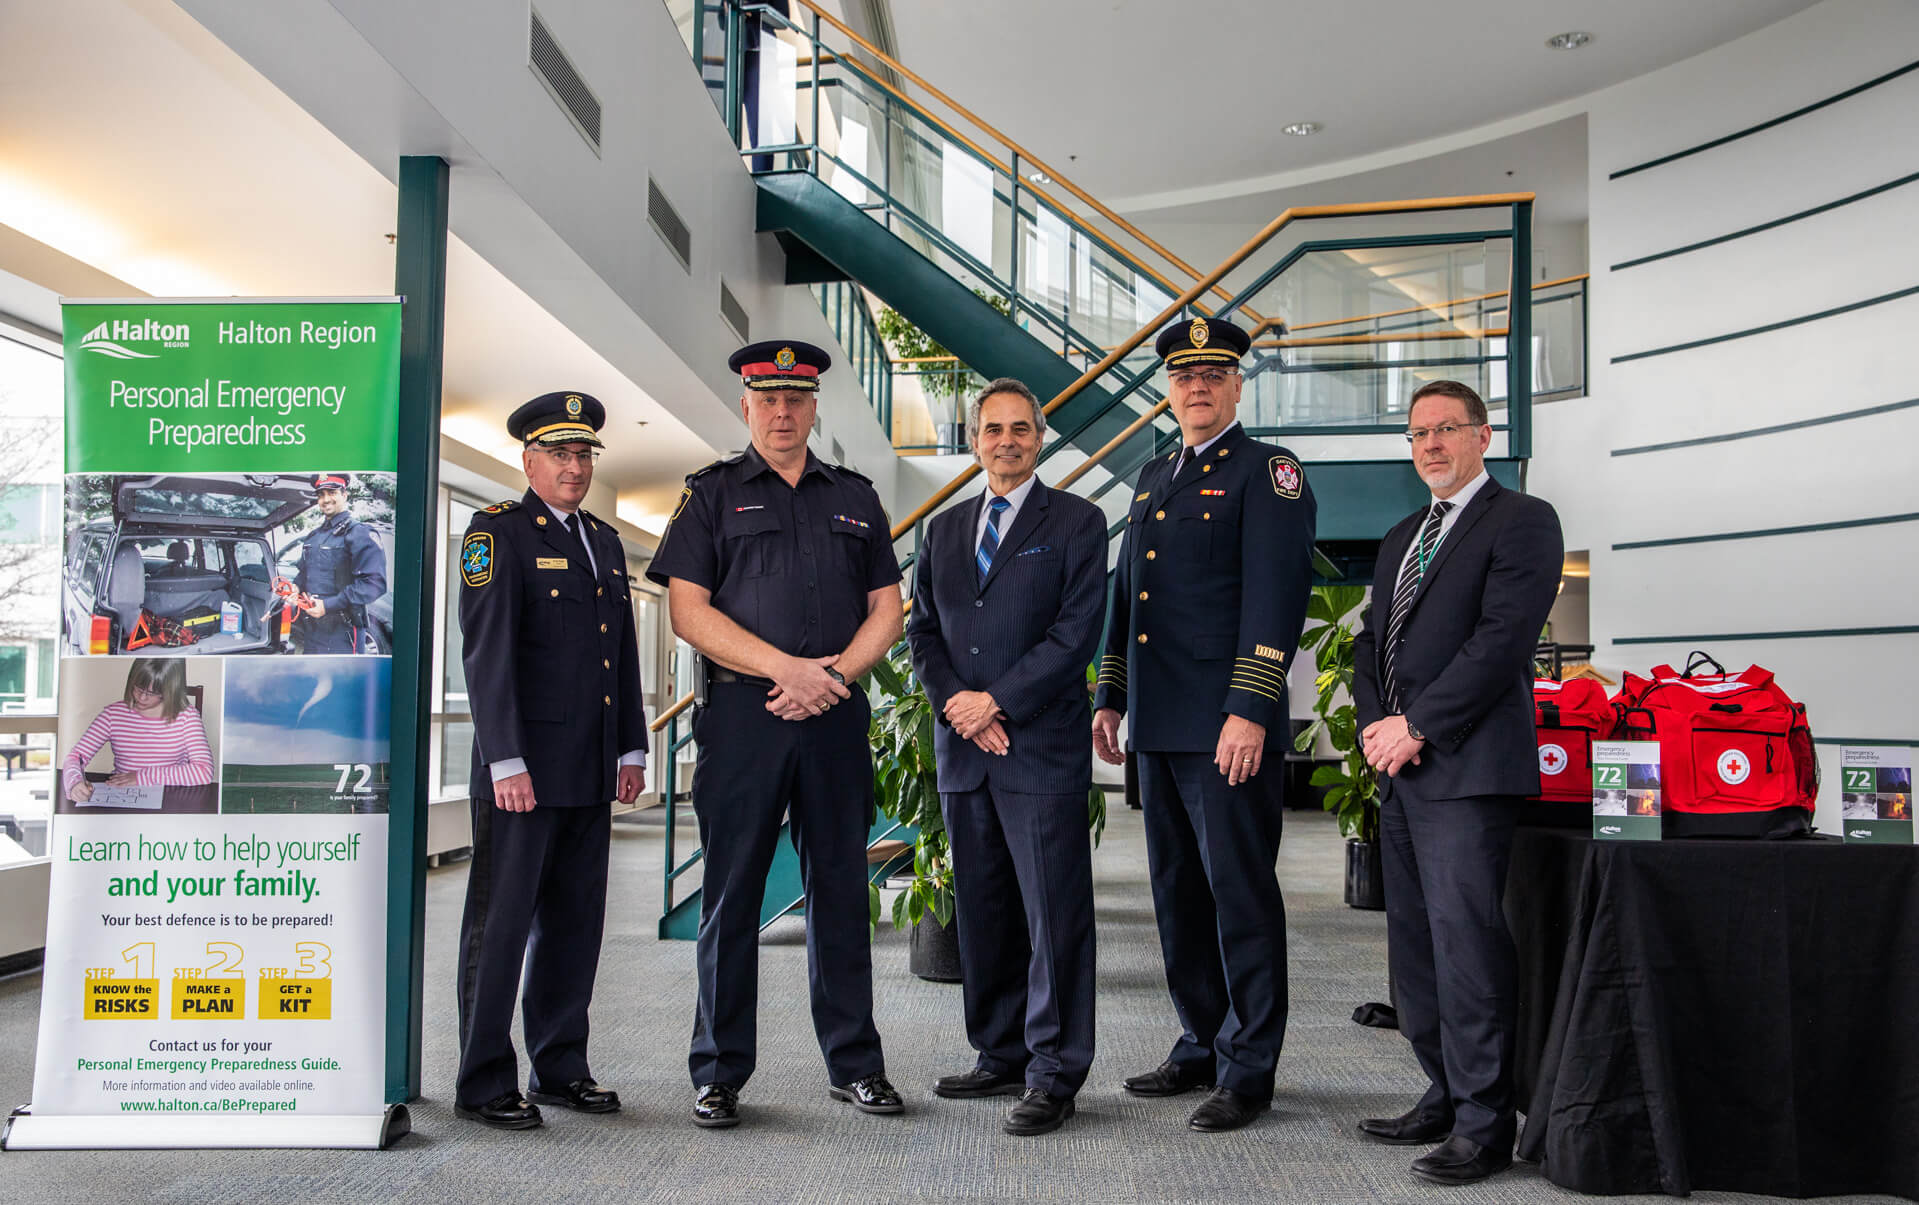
{"type": "Point", "coordinates": [1025, 636]}
{"type": "Point", "coordinates": [1465, 658]}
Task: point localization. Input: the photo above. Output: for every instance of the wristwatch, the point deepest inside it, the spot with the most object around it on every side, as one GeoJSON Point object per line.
{"type": "Point", "coordinates": [836, 675]}
{"type": "Point", "coordinates": [1411, 731]}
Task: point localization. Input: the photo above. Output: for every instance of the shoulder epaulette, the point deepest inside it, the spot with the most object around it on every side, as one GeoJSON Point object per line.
{"type": "Point", "coordinates": [701, 472]}
{"type": "Point", "coordinates": [500, 508]}
{"type": "Point", "coordinates": [854, 473]}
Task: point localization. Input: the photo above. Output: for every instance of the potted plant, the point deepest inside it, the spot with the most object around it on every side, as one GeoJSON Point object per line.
{"type": "Point", "coordinates": [1352, 788]}
{"type": "Point", "coordinates": [906, 788]}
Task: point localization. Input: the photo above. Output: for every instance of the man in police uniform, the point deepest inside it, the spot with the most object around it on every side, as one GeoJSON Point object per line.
{"type": "Point", "coordinates": [1208, 600]}
{"type": "Point", "coordinates": [559, 730]}
{"type": "Point", "coordinates": [780, 571]}
{"type": "Point", "coordinates": [342, 569]}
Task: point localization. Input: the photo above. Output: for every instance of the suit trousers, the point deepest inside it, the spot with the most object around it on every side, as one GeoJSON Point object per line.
{"type": "Point", "coordinates": [1023, 875]}
{"type": "Point", "coordinates": [535, 903]}
{"type": "Point", "coordinates": [754, 768]}
{"type": "Point", "coordinates": [1454, 968]}
{"type": "Point", "coordinates": [1210, 850]}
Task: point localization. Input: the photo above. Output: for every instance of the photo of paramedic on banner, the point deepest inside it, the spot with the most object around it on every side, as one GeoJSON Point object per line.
{"type": "Point", "coordinates": [170, 564]}
{"type": "Point", "coordinates": [306, 737]}
{"type": "Point", "coordinates": [135, 737]}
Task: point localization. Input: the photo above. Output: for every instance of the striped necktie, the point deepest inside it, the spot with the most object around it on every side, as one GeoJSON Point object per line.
{"type": "Point", "coordinates": [989, 539]}
{"type": "Point", "coordinates": [1407, 590]}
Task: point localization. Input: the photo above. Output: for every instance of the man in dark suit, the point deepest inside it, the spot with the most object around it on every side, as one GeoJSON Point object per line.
{"type": "Point", "coordinates": [1208, 600]}
{"type": "Point", "coordinates": [559, 731]}
{"type": "Point", "coordinates": [1442, 682]}
{"type": "Point", "coordinates": [1008, 596]}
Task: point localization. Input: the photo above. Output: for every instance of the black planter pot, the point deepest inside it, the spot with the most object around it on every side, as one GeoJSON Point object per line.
{"type": "Point", "coordinates": [932, 950]}
{"type": "Point", "coordinates": [1365, 877]}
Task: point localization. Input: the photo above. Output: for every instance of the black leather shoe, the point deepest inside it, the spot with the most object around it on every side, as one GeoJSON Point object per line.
{"type": "Point", "coordinates": [507, 1111]}
{"type": "Point", "coordinates": [1461, 1161]}
{"type": "Point", "coordinates": [582, 1095]}
{"type": "Point", "coordinates": [978, 1082]}
{"type": "Point", "coordinates": [1167, 1079]}
{"type": "Point", "coordinates": [1037, 1113]}
{"type": "Point", "coordinates": [716, 1107]}
{"type": "Point", "coordinates": [1412, 1128]}
{"type": "Point", "coordinates": [869, 1094]}
{"type": "Point", "coordinates": [1226, 1110]}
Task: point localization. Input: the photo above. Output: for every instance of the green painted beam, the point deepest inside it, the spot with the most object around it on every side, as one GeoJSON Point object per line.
{"type": "Point", "coordinates": [797, 205]}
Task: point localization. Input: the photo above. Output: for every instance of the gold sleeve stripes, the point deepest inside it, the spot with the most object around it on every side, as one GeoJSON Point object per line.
{"type": "Point", "coordinates": [1112, 671]}
{"type": "Point", "coordinates": [1258, 676]}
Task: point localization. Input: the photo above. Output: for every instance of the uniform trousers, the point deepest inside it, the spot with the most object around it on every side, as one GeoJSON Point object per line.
{"type": "Point", "coordinates": [1023, 875]}
{"type": "Point", "coordinates": [754, 768]}
{"type": "Point", "coordinates": [1454, 968]}
{"type": "Point", "coordinates": [535, 902]}
{"type": "Point", "coordinates": [330, 633]}
{"type": "Point", "coordinates": [1211, 849]}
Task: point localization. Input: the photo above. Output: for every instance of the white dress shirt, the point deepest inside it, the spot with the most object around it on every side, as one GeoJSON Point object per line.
{"type": "Point", "coordinates": [1015, 498]}
{"type": "Point", "coordinates": [1459, 501]}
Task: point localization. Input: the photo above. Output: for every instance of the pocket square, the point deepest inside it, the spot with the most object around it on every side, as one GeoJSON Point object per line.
{"type": "Point", "coordinates": [1034, 551]}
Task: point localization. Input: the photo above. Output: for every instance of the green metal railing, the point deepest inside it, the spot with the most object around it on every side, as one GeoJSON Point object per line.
{"type": "Point", "coordinates": [846, 310]}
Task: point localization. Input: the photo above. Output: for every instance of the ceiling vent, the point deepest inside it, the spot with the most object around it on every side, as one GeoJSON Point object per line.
{"type": "Point", "coordinates": [557, 72]}
{"type": "Point", "coordinates": [666, 223]}
{"type": "Point", "coordinates": [734, 313]}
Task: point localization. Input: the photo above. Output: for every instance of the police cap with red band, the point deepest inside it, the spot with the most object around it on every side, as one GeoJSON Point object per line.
{"type": "Point", "coordinates": [1190, 343]}
{"type": "Point", "coordinates": [780, 364]}
{"type": "Point", "coordinates": [331, 481]}
{"type": "Point", "coordinates": [558, 418]}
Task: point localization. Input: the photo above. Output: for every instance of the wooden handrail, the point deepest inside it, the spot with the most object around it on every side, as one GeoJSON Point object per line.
{"type": "Point", "coordinates": [1008, 143]}
{"type": "Point", "coordinates": [1437, 305]}
{"type": "Point", "coordinates": [666, 717]}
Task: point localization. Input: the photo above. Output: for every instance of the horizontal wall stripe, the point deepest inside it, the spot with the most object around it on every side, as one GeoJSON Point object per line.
{"type": "Point", "coordinates": [1868, 741]}
{"type": "Point", "coordinates": [1776, 222]}
{"type": "Point", "coordinates": [1801, 529]}
{"type": "Point", "coordinates": [1782, 119]}
{"type": "Point", "coordinates": [1821, 421]}
{"type": "Point", "coordinates": [1770, 326]}
{"type": "Point", "coordinates": [1806, 634]}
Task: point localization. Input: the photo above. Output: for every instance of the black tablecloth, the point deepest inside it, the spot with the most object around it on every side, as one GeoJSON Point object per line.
{"type": "Point", "coordinates": [1736, 1015]}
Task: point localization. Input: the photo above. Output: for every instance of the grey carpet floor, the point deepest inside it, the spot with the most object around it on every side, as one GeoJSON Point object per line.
{"type": "Point", "coordinates": [798, 1145]}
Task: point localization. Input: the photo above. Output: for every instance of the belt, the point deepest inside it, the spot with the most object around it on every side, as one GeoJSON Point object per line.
{"type": "Point", "coordinates": [715, 672]}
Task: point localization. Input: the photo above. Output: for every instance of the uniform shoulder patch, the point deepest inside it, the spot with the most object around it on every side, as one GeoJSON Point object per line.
{"type": "Point", "coordinates": [1287, 478]}
{"type": "Point", "coordinates": [500, 508]}
{"type": "Point", "coordinates": [476, 558]}
{"type": "Point", "coordinates": [686, 492]}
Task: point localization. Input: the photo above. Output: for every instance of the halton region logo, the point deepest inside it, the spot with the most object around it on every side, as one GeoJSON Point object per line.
{"type": "Point", "coordinates": [1613, 829]}
{"type": "Point", "coordinates": [1552, 759]}
{"type": "Point", "coordinates": [1734, 767]}
{"type": "Point", "coordinates": [112, 338]}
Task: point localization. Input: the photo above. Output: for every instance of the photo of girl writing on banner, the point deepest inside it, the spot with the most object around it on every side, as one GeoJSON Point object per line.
{"type": "Point", "coordinates": [161, 759]}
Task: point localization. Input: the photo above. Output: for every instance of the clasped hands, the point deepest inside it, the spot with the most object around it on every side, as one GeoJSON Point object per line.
{"type": "Point", "coordinates": [975, 715]}
{"type": "Point", "coordinates": [1389, 747]}
{"type": "Point", "coordinates": [803, 689]}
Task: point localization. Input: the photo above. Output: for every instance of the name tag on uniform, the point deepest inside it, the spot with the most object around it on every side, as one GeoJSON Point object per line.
{"type": "Point", "coordinates": [549, 562]}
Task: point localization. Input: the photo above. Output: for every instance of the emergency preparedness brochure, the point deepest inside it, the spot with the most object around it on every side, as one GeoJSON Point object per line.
{"type": "Point", "coordinates": [216, 940]}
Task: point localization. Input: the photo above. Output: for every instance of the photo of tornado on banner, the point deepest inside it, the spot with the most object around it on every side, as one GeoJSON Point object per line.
{"type": "Point", "coordinates": [306, 737]}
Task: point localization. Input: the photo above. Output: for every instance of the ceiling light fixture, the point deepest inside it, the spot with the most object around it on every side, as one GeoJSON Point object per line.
{"type": "Point", "coordinates": [1302, 129]}
{"type": "Point", "coordinates": [1571, 40]}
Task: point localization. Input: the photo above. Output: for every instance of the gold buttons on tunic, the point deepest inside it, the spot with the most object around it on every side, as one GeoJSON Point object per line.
{"type": "Point", "coordinates": [1207, 515]}
{"type": "Point", "coordinates": [540, 519]}
{"type": "Point", "coordinates": [605, 664]}
{"type": "Point", "coordinates": [608, 699]}
{"type": "Point", "coordinates": [600, 591]}
{"type": "Point", "coordinates": [1142, 638]}
{"type": "Point", "coordinates": [1142, 596]}
{"type": "Point", "coordinates": [1205, 468]}
{"type": "Point", "coordinates": [554, 593]}
{"type": "Point", "coordinates": [1150, 554]}
{"type": "Point", "coordinates": [602, 627]}
{"type": "Point", "coordinates": [1159, 514]}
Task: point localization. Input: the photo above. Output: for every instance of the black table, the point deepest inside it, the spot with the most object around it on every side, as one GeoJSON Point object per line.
{"type": "Point", "coordinates": [1735, 1015]}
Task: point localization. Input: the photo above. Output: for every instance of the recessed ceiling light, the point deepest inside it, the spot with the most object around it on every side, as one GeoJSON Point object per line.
{"type": "Point", "coordinates": [1302, 129]}
{"type": "Point", "coordinates": [1571, 40]}
{"type": "Point", "coordinates": [1039, 177]}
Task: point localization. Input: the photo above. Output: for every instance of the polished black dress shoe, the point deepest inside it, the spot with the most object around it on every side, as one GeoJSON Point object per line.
{"type": "Point", "coordinates": [869, 1094]}
{"type": "Point", "coordinates": [1226, 1110]}
{"type": "Point", "coordinates": [716, 1106]}
{"type": "Point", "coordinates": [1037, 1113]}
{"type": "Point", "coordinates": [582, 1095]}
{"type": "Point", "coordinates": [978, 1082]}
{"type": "Point", "coordinates": [1461, 1161]}
{"type": "Point", "coordinates": [1412, 1128]}
{"type": "Point", "coordinates": [507, 1111]}
{"type": "Point", "coordinates": [1167, 1079]}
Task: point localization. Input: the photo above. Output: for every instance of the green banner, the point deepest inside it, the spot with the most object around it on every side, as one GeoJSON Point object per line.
{"type": "Point", "coordinates": [232, 386]}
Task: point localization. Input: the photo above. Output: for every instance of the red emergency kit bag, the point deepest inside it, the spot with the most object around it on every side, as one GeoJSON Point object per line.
{"type": "Point", "coordinates": [1735, 752]}
{"type": "Point", "coordinates": [1569, 717]}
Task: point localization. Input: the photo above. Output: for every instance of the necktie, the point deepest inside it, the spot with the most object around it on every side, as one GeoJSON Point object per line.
{"type": "Point", "coordinates": [572, 525]}
{"type": "Point", "coordinates": [1407, 589]}
{"type": "Point", "coordinates": [1185, 458]}
{"type": "Point", "coordinates": [989, 540]}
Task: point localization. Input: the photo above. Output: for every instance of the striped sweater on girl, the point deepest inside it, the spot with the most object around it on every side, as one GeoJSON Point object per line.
{"type": "Point", "coordinates": [171, 753]}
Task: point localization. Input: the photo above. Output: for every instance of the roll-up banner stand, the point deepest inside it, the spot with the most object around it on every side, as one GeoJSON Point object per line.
{"type": "Point", "coordinates": [216, 955]}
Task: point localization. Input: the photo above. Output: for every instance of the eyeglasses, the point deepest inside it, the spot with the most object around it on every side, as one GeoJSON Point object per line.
{"type": "Point", "coordinates": [1212, 376]}
{"type": "Point", "coordinates": [1416, 435]}
{"type": "Point", "coordinates": [563, 457]}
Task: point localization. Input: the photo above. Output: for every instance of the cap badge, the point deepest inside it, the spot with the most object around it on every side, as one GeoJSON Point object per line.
{"type": "Point", "coordinates": [785, 359]}
{"type": "Point", "coordinates": [1199, 332]}
{"type": "Point", "coordinates": [573, 405]}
